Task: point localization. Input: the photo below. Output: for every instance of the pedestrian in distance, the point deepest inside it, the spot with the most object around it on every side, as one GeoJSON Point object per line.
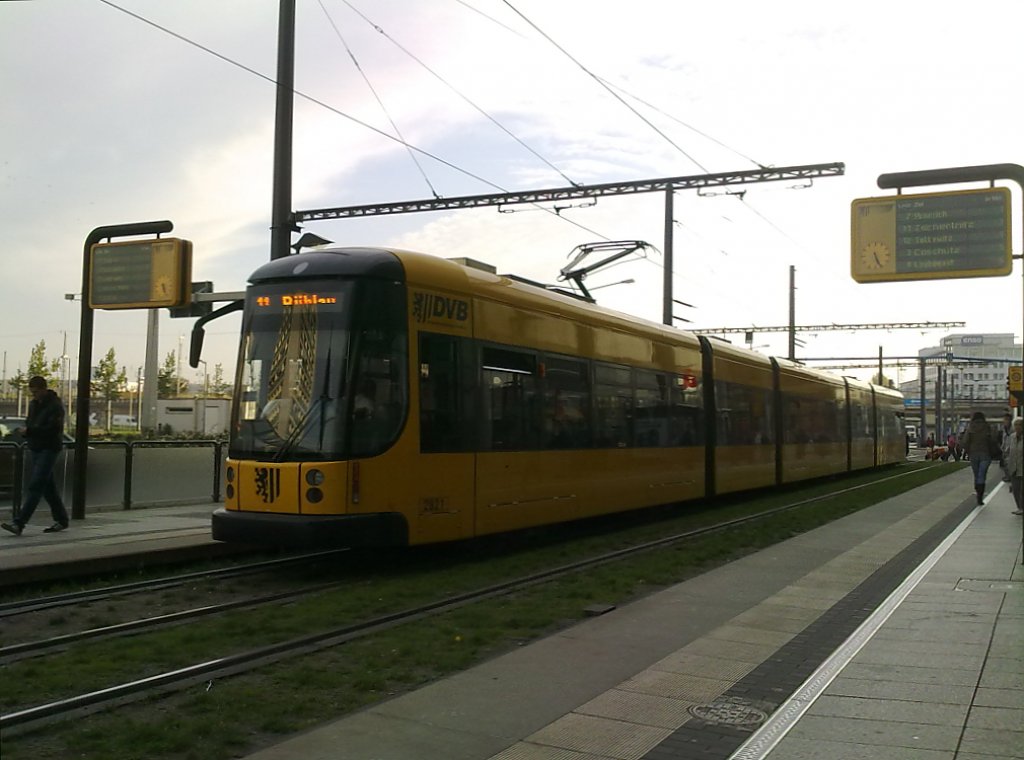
{"type": "Point", "coordinates": [979, 444]}
{"type": "Point", "coordinates": [43, 431]}
{"type": "Point", "coordinates": [1015, 462]}
{"type": "Point", "coordinates": [1004, 434]}
{"type": "Point", "coordinates": [954, 448]}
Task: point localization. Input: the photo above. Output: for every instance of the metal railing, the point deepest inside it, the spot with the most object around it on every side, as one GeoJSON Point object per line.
{"type": "Point", "coordinates": [125, 475]}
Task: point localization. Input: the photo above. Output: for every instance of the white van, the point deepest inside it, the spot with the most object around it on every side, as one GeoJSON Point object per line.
{"type": "Point", "coordinates": [912, 433]}
{"type": "Point", "coordinates": [125, 420]}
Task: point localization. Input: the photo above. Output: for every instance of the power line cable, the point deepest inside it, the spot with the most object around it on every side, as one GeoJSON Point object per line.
{"type": "Point", "coordinates": [692, 128]}
{"type": "Point", "coordinates": [608, 89]}
{"type": "Point", "coordinates": [304, 96]}
{"type": "Point", "coordinates": [380, 102]}
{"type": "Point", "coordinates": [506, 27]}
{"type": "Point", "coordinates": [454, 89]}
{"type": "Point", "coordinates": [334, 110]}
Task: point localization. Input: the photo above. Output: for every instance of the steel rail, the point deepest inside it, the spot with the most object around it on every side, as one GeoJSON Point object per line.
{"type": "Point", "coordinates": [28, 718]}
{"type": "Point", "coordinates": [7, 609]}
{"type": "Point", "coordinates": [15, 651]}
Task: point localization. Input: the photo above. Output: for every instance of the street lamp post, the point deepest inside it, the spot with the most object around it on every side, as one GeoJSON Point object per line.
{"type": "Point", "coordinates": [206, 392]}
{"type": "Point", "coordinates": [177, 369]}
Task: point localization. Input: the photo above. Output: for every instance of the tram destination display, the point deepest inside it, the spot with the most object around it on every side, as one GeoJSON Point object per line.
{"type": "Point", "coordinates": [931, 236]}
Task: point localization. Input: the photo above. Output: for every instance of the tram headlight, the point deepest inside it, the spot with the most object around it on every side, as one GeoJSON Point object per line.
{"type": "Point", "coordinates": [314, 477]}
{"type": "Point", "coordinates": [231, 474]}
{"type": "Point", "coordinates": [230, 491]}
{"type": "Point", "coordinates": [314, 495]}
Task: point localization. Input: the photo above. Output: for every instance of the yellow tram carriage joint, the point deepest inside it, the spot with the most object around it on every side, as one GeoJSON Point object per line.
{"type": "Point", "coordinates": [389, 397]}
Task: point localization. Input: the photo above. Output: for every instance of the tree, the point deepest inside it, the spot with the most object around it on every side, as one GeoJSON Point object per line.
{"type": "Point", "coordinates": [38, 364]}
{"type": "Point", "coordinates": [218, 387]}
{"type": "Point", "coordinates": [168, 383]}
{"type": "Point", "coordinates": [19, 382]}
{"type": "Point", "coordinates": [107, 381]}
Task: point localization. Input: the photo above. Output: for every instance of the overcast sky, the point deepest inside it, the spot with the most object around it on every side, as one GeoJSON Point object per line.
{"type": "Point", "coordinates": [108, 120]}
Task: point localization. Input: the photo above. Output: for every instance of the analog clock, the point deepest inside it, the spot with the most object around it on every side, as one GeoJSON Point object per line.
{"type": "Point", "coordinates": [875, 256]}
{"type": "Point", "coordinates": [162, 288]}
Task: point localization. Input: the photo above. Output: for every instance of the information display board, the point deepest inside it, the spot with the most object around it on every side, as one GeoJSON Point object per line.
{"type": "Point", "coordinates": [140, 274]}
{"type": "Point", "coordinates": [931, 236]}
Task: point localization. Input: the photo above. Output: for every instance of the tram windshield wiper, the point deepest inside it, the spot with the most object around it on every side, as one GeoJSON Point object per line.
{"type": "Point", "coordinates": [300, 428]}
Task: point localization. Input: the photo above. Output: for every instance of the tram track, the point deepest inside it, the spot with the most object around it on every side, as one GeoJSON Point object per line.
{"type": "Point", "coordinates": [210, 670]}
{"type": "Point", "coordinates": [37, 604]}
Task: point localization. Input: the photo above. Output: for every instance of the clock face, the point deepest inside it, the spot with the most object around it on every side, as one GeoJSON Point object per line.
{"type": "Point", "coordinates": [162, 287]}
{"type": "Point", "coordinates": [875, 256]}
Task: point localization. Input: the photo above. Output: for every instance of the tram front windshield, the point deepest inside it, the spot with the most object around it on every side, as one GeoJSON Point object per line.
{"type": "Point", "coordinates": [290, 399]}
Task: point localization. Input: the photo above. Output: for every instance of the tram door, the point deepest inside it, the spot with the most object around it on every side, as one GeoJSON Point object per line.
{"type": "Point", "coordinates": [445, 469]}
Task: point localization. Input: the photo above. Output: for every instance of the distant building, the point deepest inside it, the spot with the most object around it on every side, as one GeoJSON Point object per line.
{"type": "Point", "coordinates": [965, 373]}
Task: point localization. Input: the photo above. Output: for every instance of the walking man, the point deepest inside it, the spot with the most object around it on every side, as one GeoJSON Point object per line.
{"type": "Point", "coordinates": [43, 431]}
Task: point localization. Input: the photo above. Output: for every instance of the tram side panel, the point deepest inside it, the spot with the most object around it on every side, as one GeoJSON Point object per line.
{"type": "Point", "coordinates": [564, 435]}
{"type": "Point", "coordinates": [862, 425]}
{"type": "Point", "coordinates": [891, 439]}
{"type": "Point", "coordinates": [744, 453]}
{"type": "Point", "coordinates": [814, 423]}
{"type": "Point", "coordinates": [429, 474]}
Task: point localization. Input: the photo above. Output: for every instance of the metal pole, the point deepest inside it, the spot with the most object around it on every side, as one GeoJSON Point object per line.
{"type": "Point", "coordinates": [85, 354]}
{"type": "Point", "coordinates": [281, 224]}
{"type": "Point", "coordinates": [982, 173]}
{"type": "Point", "coordinates": [666, 308]}
{"type": "Point", "coordinates": [147, 409]}
{"type": "Point", "coordinates": [880, 366]}
{"type": "Point", "coordinates": [792, 313]}
{"type": "Point", "coordinates": [924, 417]}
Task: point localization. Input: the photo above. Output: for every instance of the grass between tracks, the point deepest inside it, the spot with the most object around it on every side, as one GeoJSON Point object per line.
{"type": "Point", "coordinates": [234, 716]}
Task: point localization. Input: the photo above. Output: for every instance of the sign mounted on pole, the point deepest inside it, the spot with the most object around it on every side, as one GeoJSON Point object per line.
{"type": "Point", "coordinates": [140, 274]}
{"type": "Point", "coordinates": [931, 236]}
{"type": "Point", "coordinates": [1015, 383]}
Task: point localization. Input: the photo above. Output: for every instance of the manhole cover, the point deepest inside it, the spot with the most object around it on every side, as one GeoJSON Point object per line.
{"type": "Point", "coordinates": [729, 711]}
{"type": "Point", "coordinates": [981, 584]}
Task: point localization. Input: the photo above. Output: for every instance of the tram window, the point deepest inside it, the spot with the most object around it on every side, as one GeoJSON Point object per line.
{"type": "Point", "coordinates": [511, 400]}
{"type": "Point", "coordinates": [650, 409]}
{"type": "Point", "coordinates": [744, 414]}
{"type": "Point", "coordinates": [811, 420]}
{"type": "Point", "coordinates": [378, 397]}
{"type": "Point", "coordinates": [445, 402]}
{"type": "Point", "coordinates": [566, 404]}
{"type": "Point", "coordinates": [686, 422]}
{"type": "Point", "coordinates": [613, 406]}
{"type": "Point", "coordinates": [861, 422]}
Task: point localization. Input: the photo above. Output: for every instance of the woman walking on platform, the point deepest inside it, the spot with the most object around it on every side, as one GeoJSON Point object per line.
{"type": "Point", "coordinates": [1015, 461]}
{"type": "Point", "coordinates": [978, 442]}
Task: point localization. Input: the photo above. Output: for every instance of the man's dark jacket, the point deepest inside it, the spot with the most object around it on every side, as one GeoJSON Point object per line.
{"type": "Point", "coordinates": [44, 426]}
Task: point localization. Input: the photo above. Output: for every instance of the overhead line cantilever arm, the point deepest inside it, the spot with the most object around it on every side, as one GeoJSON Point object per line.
{"type": "Point", "coordinates": [578, 191]}
{"type": "Point", "coordinates": [823, 328]}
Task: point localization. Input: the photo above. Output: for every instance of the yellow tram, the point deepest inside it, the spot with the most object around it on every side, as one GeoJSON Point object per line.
{"type": "Point", "coordinates": [386, 397]}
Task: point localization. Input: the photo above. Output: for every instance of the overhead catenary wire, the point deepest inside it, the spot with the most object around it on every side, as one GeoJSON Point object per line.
{"type": "Point", "coordinates": [601, 82]}
{"type": "Point", "coordinates": [608, 88]}
{"type": "Point", "coordinates": [299, 93]}
{"type": "Point", "coordinates": [679, 121]}
{"type": "Point", "coordinates": [369, 84]}
{"type": "Point", "coordinates": [349, 117]}
{"type": "Point", "coordinates": [332, 109]}
{"type": "Point", "coordinates": [454, 89]}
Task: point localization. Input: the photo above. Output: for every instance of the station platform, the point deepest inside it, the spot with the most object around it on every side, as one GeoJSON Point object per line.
{"type": "Point", "coordinates": [107, 541]}
{"type": "Point", "coordinates": [896, 633]}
